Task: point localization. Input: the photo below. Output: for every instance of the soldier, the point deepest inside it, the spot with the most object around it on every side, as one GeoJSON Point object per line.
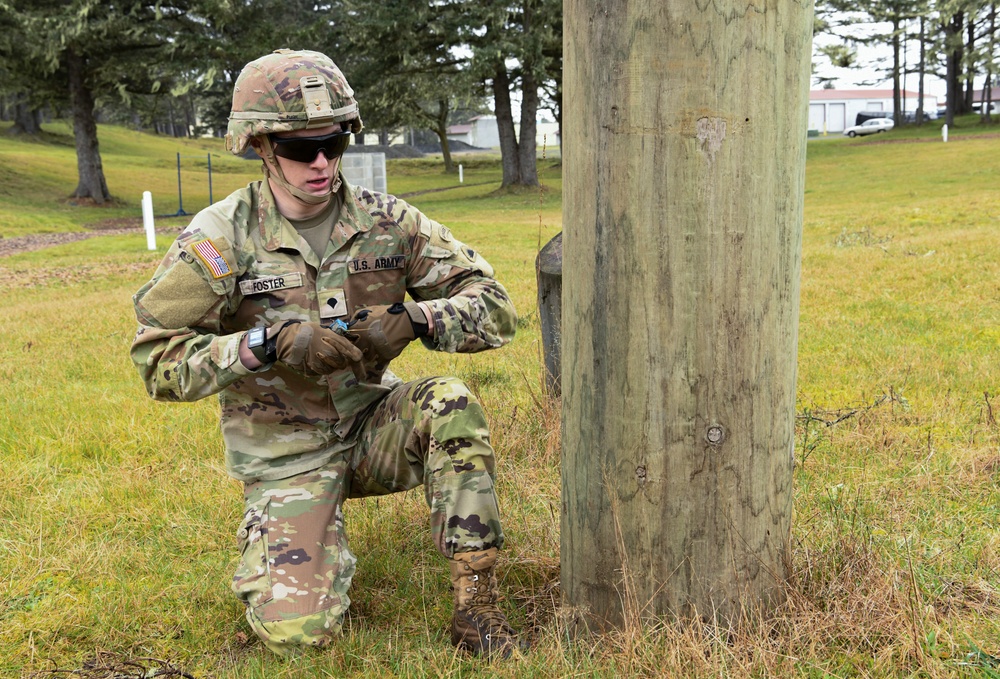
{"type": "Point", "coordinates": [247, 304]}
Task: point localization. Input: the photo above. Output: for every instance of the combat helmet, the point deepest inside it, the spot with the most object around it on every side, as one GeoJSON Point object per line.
{"type": "Point", "coordinates": [285, 91]}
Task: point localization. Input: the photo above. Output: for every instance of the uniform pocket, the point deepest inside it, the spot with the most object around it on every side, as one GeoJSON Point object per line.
{"type": "Point", "coordinates": [252, 580]}
{"type": "Point", "coordinates": [273, 292]}
{"type": "Point", "coordinates": [376, 273]}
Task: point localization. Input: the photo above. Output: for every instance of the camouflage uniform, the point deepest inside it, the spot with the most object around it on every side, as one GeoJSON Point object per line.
{"type": "Point", "coordinates": [303, 444]}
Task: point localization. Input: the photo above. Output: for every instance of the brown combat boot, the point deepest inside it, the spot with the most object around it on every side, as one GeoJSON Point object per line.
{"type": "Point", "coordinates": [478, 625]}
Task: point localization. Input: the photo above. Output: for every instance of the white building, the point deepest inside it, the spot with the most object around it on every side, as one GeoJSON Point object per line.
{"type": "Point", "coordinates": [546, 135]}
{"type": "Point", "coordinates": [834, 110]}
{"type": "Point", "coordinates": [481, 132]}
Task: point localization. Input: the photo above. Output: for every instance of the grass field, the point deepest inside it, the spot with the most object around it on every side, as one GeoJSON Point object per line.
{"type": "Point", "coordinates": [117, 520]}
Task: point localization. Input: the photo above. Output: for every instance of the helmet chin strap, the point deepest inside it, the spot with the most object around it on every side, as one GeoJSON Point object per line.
{"type": "Point", "coordinates": [278, 177]}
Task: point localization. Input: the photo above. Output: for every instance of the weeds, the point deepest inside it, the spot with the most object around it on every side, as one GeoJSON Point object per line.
{"type": "Point", "coordinates": [117, 520]}
{"type": "Point", "coordinates": [107, 665]}
{"type": "Point", "coordinates": [864, 238]}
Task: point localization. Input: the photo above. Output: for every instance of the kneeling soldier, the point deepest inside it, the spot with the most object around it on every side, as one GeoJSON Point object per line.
{"type": "Point", "coordinates": [287, 300]}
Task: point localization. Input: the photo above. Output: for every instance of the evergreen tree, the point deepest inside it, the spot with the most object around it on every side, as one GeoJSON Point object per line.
{"type": "Point", "coordinates": [89, 50]}
{"type": "Point", "coordinates": [518, 43]}
{"type": "Point", "coordinates": [872, 22]}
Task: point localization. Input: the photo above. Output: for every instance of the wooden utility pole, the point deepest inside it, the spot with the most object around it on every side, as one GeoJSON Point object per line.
{"type": "Point", "coordinates": [683, 166]}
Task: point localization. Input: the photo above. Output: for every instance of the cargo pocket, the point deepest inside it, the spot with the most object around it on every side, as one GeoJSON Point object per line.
{"type": "Point", "coordinates": [252, 581]}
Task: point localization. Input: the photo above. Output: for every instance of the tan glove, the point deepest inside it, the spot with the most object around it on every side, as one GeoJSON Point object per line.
{"type": "Point", "coordinates": [315, 350]}
{"type": "Point", "coordinates": [382, 332]}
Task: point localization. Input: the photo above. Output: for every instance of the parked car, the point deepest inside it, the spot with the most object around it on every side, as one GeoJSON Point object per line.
{"type": "Point", "coordinates": [868, 115]}
{"type": "Point", "coordinates": [872, 126]}
{"type": "Point", "coordinates": [911, 116]}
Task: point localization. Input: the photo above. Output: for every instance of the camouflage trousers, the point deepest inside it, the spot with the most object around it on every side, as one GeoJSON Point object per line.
{"type": "Point", "coordinates": [296, 566]}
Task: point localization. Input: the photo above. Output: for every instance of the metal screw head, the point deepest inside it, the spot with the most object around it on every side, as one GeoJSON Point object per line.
{"type": "Point", "coordinates": [715, 434]}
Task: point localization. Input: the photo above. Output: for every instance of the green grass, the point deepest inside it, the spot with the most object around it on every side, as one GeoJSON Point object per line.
{"type": "Point", "coordinates": [117, 520]}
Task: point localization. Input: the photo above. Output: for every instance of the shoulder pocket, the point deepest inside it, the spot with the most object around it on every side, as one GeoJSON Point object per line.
{"type": "Point", "coordinates": [442, 244]}
{"type": "Point", "coordinates": [177, 299]}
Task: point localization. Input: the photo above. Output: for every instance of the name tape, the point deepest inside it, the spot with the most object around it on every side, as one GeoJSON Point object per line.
{"type": "Point", "coordinates": [256, 286]}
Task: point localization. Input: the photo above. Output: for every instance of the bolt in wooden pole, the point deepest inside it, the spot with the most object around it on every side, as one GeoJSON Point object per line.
{"type": "Point", "coordinates": [684, 161]}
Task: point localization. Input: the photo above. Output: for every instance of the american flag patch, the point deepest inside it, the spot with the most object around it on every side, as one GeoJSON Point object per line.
{"type": "Point", "coordinates": [212, 258]}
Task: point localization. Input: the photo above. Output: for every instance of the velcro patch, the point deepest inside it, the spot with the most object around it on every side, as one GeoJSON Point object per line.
{"type": "Point", "coordinates": [256, 286]}
{"type": "Point", "coordinates": [363, 264]}
{"type": "Point", "coordinates": [212, 258]}
{"type": "Point", "coordinates": [333, 304]}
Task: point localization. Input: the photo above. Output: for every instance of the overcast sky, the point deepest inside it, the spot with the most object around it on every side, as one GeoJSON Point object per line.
{"type": "Point", "coordinates": [871, 60]}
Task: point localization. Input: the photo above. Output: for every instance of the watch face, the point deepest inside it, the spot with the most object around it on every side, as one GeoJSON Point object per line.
{"type": "Point", "coordinates": [255, 337]}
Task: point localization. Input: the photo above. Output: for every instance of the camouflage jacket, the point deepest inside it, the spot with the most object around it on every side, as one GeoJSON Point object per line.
{"type": "Point", "coordinates": [241, 264]}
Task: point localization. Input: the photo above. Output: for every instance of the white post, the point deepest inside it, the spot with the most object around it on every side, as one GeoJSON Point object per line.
{"type": "Point", "coordinates": [944, 132]}
{"type": "Point", "coordinates": [147, 220]}
{"type": "Point", "coordinates": [460, 173]}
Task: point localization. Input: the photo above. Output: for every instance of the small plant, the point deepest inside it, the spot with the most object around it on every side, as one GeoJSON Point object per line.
{"type": "Point", "coordinates": [865, 238]}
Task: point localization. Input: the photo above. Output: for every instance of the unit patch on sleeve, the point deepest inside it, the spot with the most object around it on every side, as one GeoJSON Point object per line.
{"type": "Point", "coordinates": [256, 286]}
{"type": "Point", "coordinates": [363, 264]}
{"type": "Point", "coordinates": [212, 258]}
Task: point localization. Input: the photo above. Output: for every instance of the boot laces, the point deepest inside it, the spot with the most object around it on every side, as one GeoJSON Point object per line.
{"type": "Point", "coordinates": [489, 617]}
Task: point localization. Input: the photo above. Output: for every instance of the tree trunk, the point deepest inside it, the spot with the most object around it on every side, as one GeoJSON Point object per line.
{"type": "Point", "coordinates": [985, 106]}
{"type": "Point", "coordinates": [987, 98]}
{"type": "Point", "coordinates": [897, 110]}
{"type": "Point", "coordinates": [27, 119]}
{"type": "Point", "coordinates": [526, 149]}
{"type": "Point", "coordinates": [953, 65]}
{"type": "Point", "coordinates": [441, 130]}
{"type": "Point", "coordinates": [88, 155]}
{"type": "Point", "coordinates": [509, 157]}
{"type": "Point", "coordinates": [684, 163]}
{"type": "Point", "coordinates": [923, 68]}
{"type": "Point", "coordinates": [192, 117]}
{"type": "Point", "coordinates": [970, 68]}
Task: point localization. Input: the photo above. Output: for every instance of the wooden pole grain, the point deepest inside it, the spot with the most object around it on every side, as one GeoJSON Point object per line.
{"type": "Point", "coordinates": [683, 166]}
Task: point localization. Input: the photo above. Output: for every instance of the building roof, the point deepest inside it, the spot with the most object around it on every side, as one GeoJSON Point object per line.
{"type": "Point", "coordinates": [460, 129]}
{"type": "Point", "coordinates": [977, 95]}
{"type": "Point", "coordinates": [820, 95]}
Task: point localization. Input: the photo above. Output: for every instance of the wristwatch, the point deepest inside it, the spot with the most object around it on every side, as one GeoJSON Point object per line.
{"type": "Point", "coordinates": [263, 349]}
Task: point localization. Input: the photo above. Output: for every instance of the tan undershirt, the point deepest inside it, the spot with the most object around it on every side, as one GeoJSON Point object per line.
{"type": "Point", "coordinates": [317, 230]}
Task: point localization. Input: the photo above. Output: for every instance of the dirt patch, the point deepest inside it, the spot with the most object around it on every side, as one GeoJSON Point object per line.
{"type": "Point", "coordinates": [116, 223]}
{"type": "Point", "coordinates": [411, 194]}
{"type": "Point", "coordinates": [117, 226]}
{"type": "Point", "coordinates": [107, 665]}
{"type": "Point", "coordinates": [37, 277]}
{"type": "Point", "coordinates": [19, 244]}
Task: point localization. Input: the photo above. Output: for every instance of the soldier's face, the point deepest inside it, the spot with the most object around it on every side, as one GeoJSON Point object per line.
{"type": "Point", "coordinates": [317, 175]}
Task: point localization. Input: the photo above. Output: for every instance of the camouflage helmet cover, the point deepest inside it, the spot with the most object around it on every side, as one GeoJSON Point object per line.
{"type": "Point", "coordinates": [285, 91]}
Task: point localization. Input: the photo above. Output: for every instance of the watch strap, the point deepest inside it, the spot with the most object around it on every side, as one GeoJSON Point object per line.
{"type": "Point", "coordinates": [257, 343]}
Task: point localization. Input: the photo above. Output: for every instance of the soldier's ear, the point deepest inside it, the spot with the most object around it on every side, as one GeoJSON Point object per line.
{"type": "Point", "coordinates": [258, 148]}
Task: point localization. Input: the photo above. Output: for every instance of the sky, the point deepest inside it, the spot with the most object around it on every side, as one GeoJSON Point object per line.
{"type": "Point", "coordinates": [869, 75]}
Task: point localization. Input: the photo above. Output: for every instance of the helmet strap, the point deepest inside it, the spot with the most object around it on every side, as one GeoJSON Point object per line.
{"type": "Point", "coordinates": [278, 177]}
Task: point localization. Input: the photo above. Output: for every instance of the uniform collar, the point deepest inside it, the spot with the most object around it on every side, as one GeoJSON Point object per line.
{"type": "Point", "coordinates": [354, 218]}
{"type": "Point", "coordinates": [276, 232]}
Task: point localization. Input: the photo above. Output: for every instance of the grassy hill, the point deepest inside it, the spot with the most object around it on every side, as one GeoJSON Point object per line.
{"type": "Point", "coordinates": [117, 521]}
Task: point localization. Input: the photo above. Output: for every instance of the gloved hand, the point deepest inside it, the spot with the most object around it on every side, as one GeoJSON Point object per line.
{"type": "Point", "coordinates": [382, 332]}
{"type": "Point", "coordinates": [314, 350]}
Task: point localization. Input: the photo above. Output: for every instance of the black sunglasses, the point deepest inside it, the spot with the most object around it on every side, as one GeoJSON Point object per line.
{"type": "Point", "coordinates": [304, 149]}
